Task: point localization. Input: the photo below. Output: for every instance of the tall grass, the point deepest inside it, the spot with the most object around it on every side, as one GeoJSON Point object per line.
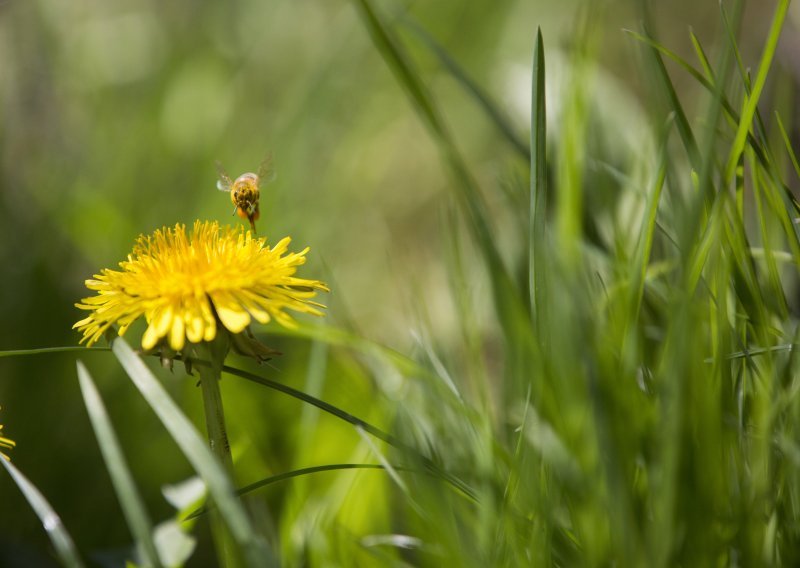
{"type": "Point", "coordinates": [623, 387]}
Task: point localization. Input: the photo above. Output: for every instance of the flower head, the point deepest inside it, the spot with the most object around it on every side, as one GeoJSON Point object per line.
{"type": "Point", "coordinates": [5, 444]}
{"type": "Point", "coordinates": [185, 286]}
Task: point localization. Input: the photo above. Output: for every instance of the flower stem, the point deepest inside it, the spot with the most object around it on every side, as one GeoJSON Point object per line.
{"type": "Point", "coordinates": [215, 415]}
{"type": "Point", "coordinates": [215, 352]}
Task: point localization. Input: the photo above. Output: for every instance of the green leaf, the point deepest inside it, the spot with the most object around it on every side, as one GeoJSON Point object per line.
{"type": "Point", "coordinates": [538, 197]}
{"type": "Point", "coordinates": [129, 499]}
{"type": "Point", "coordinates": [62, 542]}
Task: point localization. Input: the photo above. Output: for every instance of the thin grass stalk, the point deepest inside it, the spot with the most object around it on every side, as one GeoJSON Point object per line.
{"type": "Point", "coordinates": [216, 431]}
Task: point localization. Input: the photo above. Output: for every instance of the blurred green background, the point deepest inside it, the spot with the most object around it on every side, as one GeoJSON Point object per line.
{"type": "Point", "coordinates": [112, 116]}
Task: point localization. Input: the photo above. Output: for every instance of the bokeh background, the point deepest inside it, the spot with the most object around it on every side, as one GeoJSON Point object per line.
{"type": "Point", "coordinates": [112, 115]}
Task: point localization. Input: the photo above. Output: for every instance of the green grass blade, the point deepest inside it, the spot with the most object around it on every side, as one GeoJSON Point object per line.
{"type": "Point", "coordinates": [751, 103]}
{"type": "Point", "coordinates": [744, 73]}
{"type": "Point", "coordinates": [729, 31]}
{"type": "Point", "coordinates": [646, 233]}
{"type": "Point", "coordinates": [62, 542]}
{"type": "Point", "coordinates": [787, 142]}
{"type": "Point", "coordinates": [321, 404]}
{"type": "Point", "coordinates": [292, 474]}
{"type": "Point", "coordinates": [307, 471]}
{"type": "Point", "coordinates": [46, 350]}
{"type": "Point", "coordinates": [347, 417]}
{"type": "Point", "coordinates": [681, 122]}
{"type": "Point", "coordinates": [195, 450]}
{"type": "Point", "coordinates": [131, 502]}
{"type": "Point", "coordinates": [538, 196]}
{"type": "Point", "coordinates": [777, 293]}
{"type": "Point", "coordinates": [506, 296]}
{"type": "Point", "coordinates": [400, 64]}
{"type": "Point", "coordinates": [706, 81]}
{"type": "Point", "coordinates": [701, 56]}
{"type": "Point", "coordinates": [485, 102]}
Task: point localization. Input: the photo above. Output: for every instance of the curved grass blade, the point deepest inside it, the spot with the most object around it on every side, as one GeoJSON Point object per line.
{"type": "Point", "coordinates": [62, 542]}
{"type": "Point", "coordinates": [496, 116]}
{"type": "Point", "coordinates": [308, 471]}
{"type": "Point", "coordinates": [750, 106]}
{"type": "Point", "coordinates": [45, 350]}
{"type": "Point", "coordinates": [701, 56]}
{"type": "Point", "coordinates": [299, 473]}
{"type": "Point", "coordinates": [355, 421]}
{"type": "Point", "coordinates": [196, 451]}
{"type": "Point", "coordinates": [681, 122]}
{"type": "Point", "coordinates": [726, 22]}
{"type": "Point", "coordinates": [129, 498]}
{"type": "Point", "coordinates": [706, 82]}
{"type": "Point", "coordinates": [505, 293]}
{"type": "Point", "coordinates": [788, 144]}
{"type": "Point", "coordinates": [744, 73]}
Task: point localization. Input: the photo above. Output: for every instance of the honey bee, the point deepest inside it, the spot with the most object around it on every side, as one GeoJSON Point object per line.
{"type": "Point", "coordinates": [245, 190]}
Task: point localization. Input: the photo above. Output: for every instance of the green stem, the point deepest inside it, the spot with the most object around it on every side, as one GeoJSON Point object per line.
{"type": "Point", "coordinates": [215, 415]}
{"type": "Point", "coordinates": [210, 375]}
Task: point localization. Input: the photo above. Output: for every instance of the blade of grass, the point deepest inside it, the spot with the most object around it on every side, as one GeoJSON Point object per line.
{"type": "Point", "coordinates": [764, 225]}
{"type": "Point", "coordinates": [707, 82]}
{"type": "Point", "coordinates": [701, 56]}
{"type": "Point", "coordinates": [393, 474]}
{"type": "Point", "coordinates": [729, 30]}
{"type": "Point", "coordinates": [131, 502]}
{"type": "Point", "coordinates": [295, 473]}
{"type": "Point", "coordinates": [538, 196]}
{"type": "Point", "coordinates": [505, 294]}
{"type": "Point", "coordinates": [681, 122]}
{"type": "Point", "coordinates": [305, 471]}
{"type": "Point", "coordinates": [700, 211]}
{"type": "Point", "coordinates": [485, 102]}
{"type": "Point", "coordinates": [46, 350]}
{"type": "Point", "coordinates": [347, 417]}
{"type": "Point", "coordinates": [744, 74]}
{"type": "Point", "coordinates": [751, 101]}
{"type": "Point", "coordinates": [789, 149]}
{"type": "Point", "coordinates": [62, 542]}
{"type": "Point", "coordinates": [196, 451]}
{"type": "Point", "coordinates": [646, 232]}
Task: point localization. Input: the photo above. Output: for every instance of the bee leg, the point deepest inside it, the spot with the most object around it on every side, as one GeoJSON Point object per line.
{"type": "Point", "coordinates": [253, 225]}
{"type": "Point", "coordinates": [234, 210]}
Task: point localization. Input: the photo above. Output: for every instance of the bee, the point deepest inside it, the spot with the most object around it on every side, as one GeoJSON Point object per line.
{"type": "Point", "coordinates": [245, 190]}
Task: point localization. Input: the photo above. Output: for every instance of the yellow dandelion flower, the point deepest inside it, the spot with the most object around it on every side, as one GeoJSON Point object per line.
{"type": "Point", "coordinates": [5, 444]}
{"type": "Point", "coordinates": [185, 286]}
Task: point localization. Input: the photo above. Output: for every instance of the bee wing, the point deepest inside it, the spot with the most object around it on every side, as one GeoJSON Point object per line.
{"type": "Point", "coordinates": [224, 182]}
{"type": "Point", "coordinates": [266, 173]}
